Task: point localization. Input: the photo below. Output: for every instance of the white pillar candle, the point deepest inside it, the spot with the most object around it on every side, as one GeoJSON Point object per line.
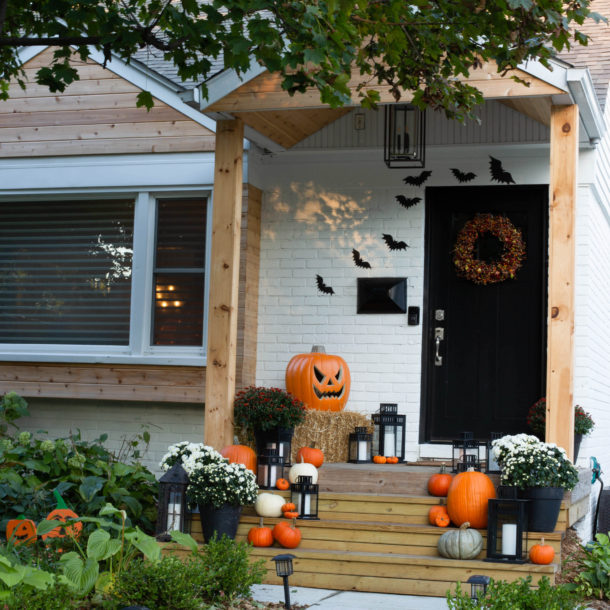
{"type": "Point", "coordinates": [362, 452]}
{"type": "Point", "coordinates": [389, 443]}
{"type": "Point", "coordinates": [306, 504]}
{"type": "Point", "coordinates": [272, 475]}
{"type": "Point", "coordinates": [173, 511]}
{"type": "Point", "coordinates": [296, 499]}
{"type": "Point", "coordinates": [509, 539]}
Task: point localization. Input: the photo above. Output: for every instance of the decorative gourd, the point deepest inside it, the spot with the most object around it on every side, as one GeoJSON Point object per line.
{"type": "Point", "coordinates": [21, 531]}
{"type": "Point", "coordinates": [240, 454]}
{"type": "Point", "coordinates": [322, 381]}
{"type": "Point", "coordinates": [303, 470]}
{"type": "Point", "coordinates": [463, 543]}
{"type": "Point", "coordinates": [442, 520]}
{"type": "Point", "coordinates": [435, 511]}
{"type": "Point", "coordinates": [260, 536]}
{"type": "Point", "coordinates": [61, 513]}
{"type": "Point", "coordinates": [290, 514]}
{"type": "Point", "coordinates": [391, 460]}
{"type": "Point", "coordinates": [438, 484]}
{"type": "Point", "coordinates": [268, 505]}
{"type": "Point", "coordinates": [467, 498]}
{"type": "Point", "coordinates": [289, 536]}
{"type": "Point", "coordinates": [311, 455]}
{"type": "Point", "coordinates": [542, 554]}
{"type": "Point", "coordinates": [289, 506]}
{"type": "Point", "coordinates": [282, 484]}
{"type": "Point", "coordinates": [380, 459]}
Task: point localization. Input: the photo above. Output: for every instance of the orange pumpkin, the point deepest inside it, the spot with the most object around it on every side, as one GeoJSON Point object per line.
{"type": "Point", "coordinates": [392, 460]}
{"type": "Point", "coordinates": [260, 536]}
{"type": "Point", "coordinates": [289, 536]}
{"type": "Point", "coordinates": [288, 506]}
{"type": "Point", "coordinates": [282, 484]}
{"type": "Point", "coordinates": [467, 498]}
{"type": "Point", "coordinates": [63, 513]}
{"type": "Point", "coordinates": [442, 520]}
{"type": "Point", "coordinates": [21, 531]}
{"type": "Point", "coordinates": [311, 455]}
{"type": "Point", "coordinates": [438, 484]}
{"type": "Point", "coordinates": [290, 514]}
{"type": "Point", "coordinates": [435, 511]}
{"type": "Point", "coordinates": [542, 554]}
{"type": "Point", "coordinates": [322, 381]}
{"type": "Point", "coordinates": [240, 454]}
{"type": "Point", "coordinates": [380, 459]}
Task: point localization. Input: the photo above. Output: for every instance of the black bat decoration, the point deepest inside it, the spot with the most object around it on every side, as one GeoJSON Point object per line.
{"type": "Point", "coordinates": [463, 176]}
{"type": "Point", "coordinates": [322, 287]}
{"type": "Point", "coordinates": [417, 180]}
{"type": "Point", "coordinates": [393, 244]}
{"type": "Point", "coordinates": [497, 171]}
{"type": "Point", "coordinates": [407, 202]}
{"type": "Point", "coordinates": [358, 260]}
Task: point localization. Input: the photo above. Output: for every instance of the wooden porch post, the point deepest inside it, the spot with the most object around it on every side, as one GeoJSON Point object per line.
{"type": "Point", "coordinates": [560, 341]}
{"type": "Point", "coordinates": [224, 280]}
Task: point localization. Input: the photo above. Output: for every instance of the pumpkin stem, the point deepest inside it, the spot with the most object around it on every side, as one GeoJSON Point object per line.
{"type": "Point", "coordinates": [294, 522]}
{"type": "Point", "coordinates": [260, 522]}
{"type": "Point", "coordinates": [61, 504]}
{"type": "Point", "coordinates": [542, 540]}
{"type": "Point", "coordinates": [465, 525]}
{"type": "Point", "coordinates": [318, 349]}
{"type": "Point", "coordinates": [442, 470]}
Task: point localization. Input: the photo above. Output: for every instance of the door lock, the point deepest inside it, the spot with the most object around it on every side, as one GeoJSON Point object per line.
{"type": "Point", "coordinates": [439, 335]}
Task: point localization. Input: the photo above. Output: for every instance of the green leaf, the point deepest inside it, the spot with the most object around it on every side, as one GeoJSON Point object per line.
{"type": "Point", "coordinates": [145, 99]}
{"type": "Point", "coordinates": [147, 545]}
{"type": "Point", "coordinates": [97, 544]}
{"type": "Point", "coordinates": [80, 575]}
{"type": "Point", "coordinates": [39, 579]}
{"type": "Point", "coordinates": [104, 582]}
{"type": "Point", "coordinates": [46, 525]}
{"type": "Point", "coordinates": [11, 575]}
{"type": "Point", "coordinates": [90, 486]}
{"type": "Point", "coordinates": [185, 540]}
{"type": "Point", "coordinates": [108, 509]}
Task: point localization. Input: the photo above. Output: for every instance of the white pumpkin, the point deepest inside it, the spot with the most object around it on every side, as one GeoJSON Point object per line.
{"type": "Point", "coordinates": [463, 543]}
{"type": "Point", "coordinates": [303, 469]}
{"type": "Point", "coordinates": [269, 505]}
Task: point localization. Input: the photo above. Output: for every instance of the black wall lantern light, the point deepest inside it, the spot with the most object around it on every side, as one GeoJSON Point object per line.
{"type": "Point", "coordinates": [283, 568]}
{"type": "Point", "coordinates": [491, 464]}
{"type": "Point", "coordinates": [172, 508]}
{"type": "Point", "coordinates": [360, 444]}
{"type": "Point", "coordinates": [404, 136]}
{"type": "Point", "coordinates": [465, 453]}
{"type": "Point", "coordinates": [478, 586]}
{"type": "Point", "coordinates": [270, 468]}
{"type": "Point", "coordinates": [304, 495]}
{"type": "Point", "coordinates": [389, 434]}
{"type": "Point", "coordinates": [506, 526]}
{"type": "Point", "coordinates": [279, 439]}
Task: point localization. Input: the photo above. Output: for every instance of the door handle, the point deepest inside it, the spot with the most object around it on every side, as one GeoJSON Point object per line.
{"type": "Point", "coordinates": [439, 335]}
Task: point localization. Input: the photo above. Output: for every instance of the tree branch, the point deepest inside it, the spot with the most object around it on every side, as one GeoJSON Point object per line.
{"type": "Point", "coordinates": [3, 5]}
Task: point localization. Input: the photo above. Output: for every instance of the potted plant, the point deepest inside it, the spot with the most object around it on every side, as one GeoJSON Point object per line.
{"type": "Point", "coordinates": [218, 488]}
{"type": "Point", "coordinates": [583, 423]}
{"type": "Point", "coordinates": [541, 472]}
{"type": "Point", "coordinates": [268, 415]}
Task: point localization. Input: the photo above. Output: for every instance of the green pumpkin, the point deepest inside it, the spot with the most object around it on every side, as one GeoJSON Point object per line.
{"type": "Point", "coordinates": [463, 543]}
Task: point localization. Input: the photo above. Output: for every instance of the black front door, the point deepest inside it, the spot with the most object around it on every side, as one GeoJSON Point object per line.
{"type": "Point", "coordinates": [484, 349]}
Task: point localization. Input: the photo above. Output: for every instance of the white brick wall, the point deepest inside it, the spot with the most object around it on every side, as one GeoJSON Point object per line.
{"type": "Point", "coordinates": [167, 423]}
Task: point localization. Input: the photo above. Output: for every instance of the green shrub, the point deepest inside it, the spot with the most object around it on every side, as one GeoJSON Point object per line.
{"type": "Point", "coordinates": [58, 597]}
{"type": "Point", "coordinates": [518, 595]}
{"type": "Point", "coordinates": [86, 474]}
{"type": "Point", "coordinates": [593, 567]}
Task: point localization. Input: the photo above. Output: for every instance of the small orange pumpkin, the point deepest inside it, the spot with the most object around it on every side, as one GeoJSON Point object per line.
{"type": "Point", "coordinates": [435, 511]}
{"type": "Point", "coordinates": [61, 513]}
{"type": "Point", "coordinates": [311, 455]}
{"type": "Point", "coordinates": [392, 460]}
{"type": "Point", "coordinates": [467, 498]}
{"type": "Point", "coordinates": [291, 514]}
{"type": "Point", "coordinates": [542, 554]}
{"type": "Point", "coordinates": [289, 536]}
{"type": "Point", "coordinates": [442, 520]}
{"type": "Point", "coordinates": [380, 459]}
{"type": "Point", "coordinates": [288, 506]}
{"type": "Point", "coordinates": [21, 531]}
{"type": "Point", "coordinates": [240, 454]}
{"type": "Point", "coordinates": [260, 536]}
{"type": "Point", "coordinates": [438, 484]}
{"type": "Point", "coordinates": [282, 484]}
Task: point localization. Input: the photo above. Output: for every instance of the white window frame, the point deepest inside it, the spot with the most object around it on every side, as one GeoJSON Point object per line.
{"type": "Point", "coordinates": [139, 350]}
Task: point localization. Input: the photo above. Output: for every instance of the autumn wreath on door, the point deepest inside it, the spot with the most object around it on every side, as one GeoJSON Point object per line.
{"type": "Point", "coordinates": [493, 271]}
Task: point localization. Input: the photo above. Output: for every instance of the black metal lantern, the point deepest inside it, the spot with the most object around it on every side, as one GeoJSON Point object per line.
{"type": "Point", "coordinates": [404, 142]}
{"type": "Point", "coordinates": [360, 446]}
{"type": "Point", "coordinates": [478, 586]}
{"type": "Point", "coordinates": [279, 439]}
{"type": "Point", "coordinates": [172, 508]}
{"type": "Point", "coordinates": [506, 527]}
{"type": "Point", "coordinates": [270, 469]}
{"type": "Point", "coordinates": [304, 495]}
{"type": "Point", "coordinates": [491, 464]}
{"type": "Point", "coordinates": [389, 434]}
{"type": "Point", "coordinates": [283, 568]}
{"type": "Point", "coordinates": [465, 453]}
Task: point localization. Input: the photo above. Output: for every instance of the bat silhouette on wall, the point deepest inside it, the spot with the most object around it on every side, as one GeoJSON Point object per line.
{"type": "Point", "coordinates": [417, 180]}
{"type": "Point", "coordinates": [463, 176]}
{"type": "Point", "coordinates": [498, 173]}
{"type": "Point", "coordinates": [359, 261]}
{"type": "Point", "coordinates": [393, 244]}
{"type": "Point", "coordinates": [407, 202]}
{"type": "Point", "coordinates": [322, 287]}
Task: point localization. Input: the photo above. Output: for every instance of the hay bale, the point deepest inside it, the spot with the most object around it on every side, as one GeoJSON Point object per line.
{"type": "Point", "coordinates": [328, 431]}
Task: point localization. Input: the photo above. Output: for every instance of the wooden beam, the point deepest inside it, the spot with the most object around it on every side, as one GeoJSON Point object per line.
{"type": "Point", "coordinates": [560, 341]}
{"type": "Point", "coordinates": [224, 280]}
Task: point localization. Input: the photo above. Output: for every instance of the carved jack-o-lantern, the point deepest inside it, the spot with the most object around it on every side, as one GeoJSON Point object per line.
{"type": "Point", "coordinates": [322, 381]}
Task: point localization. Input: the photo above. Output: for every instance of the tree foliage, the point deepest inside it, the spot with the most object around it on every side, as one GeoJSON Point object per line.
{"type": "Point", "coordinates": [421, 45]}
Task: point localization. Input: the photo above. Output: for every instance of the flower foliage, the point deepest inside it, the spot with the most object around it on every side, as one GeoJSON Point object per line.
{"type": "Point", "coordinates": [528, 462]}
{"type": "Point", "coordinates": [257, 408]}
{"type": "Point", "coordinates": [482, 272]}
{"type": "Point", "coordinates": [212, 480]}
{"type": "Point", "coordinates": [536, 419]}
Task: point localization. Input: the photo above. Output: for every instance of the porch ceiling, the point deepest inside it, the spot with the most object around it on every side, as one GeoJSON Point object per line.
{"type": "Point", "coordinates": [286, 120]}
